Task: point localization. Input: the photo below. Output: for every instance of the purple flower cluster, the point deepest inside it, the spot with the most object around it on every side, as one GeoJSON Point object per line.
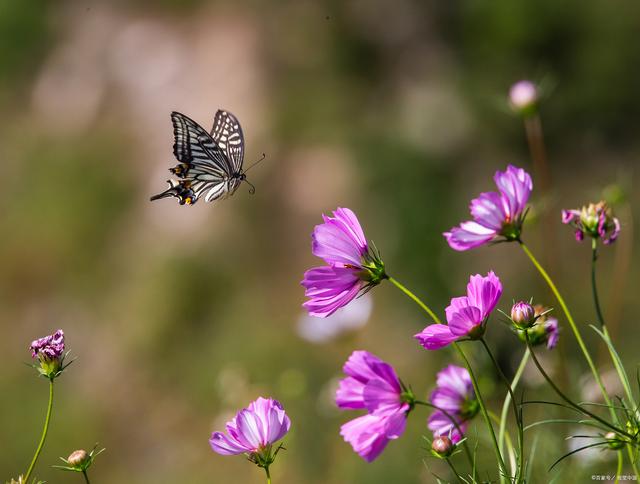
{"type": "Point", "coordinates": [48, 348]}
{"type": "Point", "coordinates": [351, 266]}
{"type": "Point", "coordinates": [495, 213]}
{"type": "Point", "coordinates": [455, 401]}
{"type": "Point", "coordinates": [372, 385]}
{"type": "Point", "coordinates": [253, 431]}
{"type": "Point", "coordinates": [594, 220]}
{"type": "Point", "coordinates": [466, 315]}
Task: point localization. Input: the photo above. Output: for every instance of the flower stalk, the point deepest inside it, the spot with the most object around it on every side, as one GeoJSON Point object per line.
{"type": "Point", "coordinates": [45, 429]}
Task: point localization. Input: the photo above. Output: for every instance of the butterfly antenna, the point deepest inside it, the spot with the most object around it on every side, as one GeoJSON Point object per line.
{"type": "Point", "coordinates": [255, 163]}
{"type": "Point", "coordinates": [252, 189]}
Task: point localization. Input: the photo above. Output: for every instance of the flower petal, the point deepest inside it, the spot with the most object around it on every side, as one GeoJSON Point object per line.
{"type": "Point", "coordinates": [435, 336]}
{"type": "Point", "coordinates": [468, 236]}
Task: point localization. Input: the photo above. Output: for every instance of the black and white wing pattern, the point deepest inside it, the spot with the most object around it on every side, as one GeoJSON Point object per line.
{"type": "Point", "coordinates": [226, 131]}
{"type": "Point", "coordinates": [210, 166]}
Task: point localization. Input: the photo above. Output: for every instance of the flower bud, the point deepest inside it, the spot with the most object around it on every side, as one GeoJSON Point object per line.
{"type": "Point", "coordinates": [78, 457]}
{"type": "Point", "coordinates": [523, 315]}
{"type": "Point", "coordinates": [50, 352]}
{"type": "Point", "coordinates": [442, 446]}
{"type": "Point", "coordinates": [523, 97]}
{"type": "Point", "coordinates": [614, 442]}
{"type": "Point", "coordinates": [595, 220]}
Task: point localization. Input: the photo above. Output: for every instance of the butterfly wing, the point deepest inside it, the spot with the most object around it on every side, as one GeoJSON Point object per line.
{"type": "Point", "coordinates": [227, 133]}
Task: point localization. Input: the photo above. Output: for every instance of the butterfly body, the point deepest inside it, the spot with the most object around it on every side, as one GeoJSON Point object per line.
{"type": "Point", "coordinates": [210, 164]}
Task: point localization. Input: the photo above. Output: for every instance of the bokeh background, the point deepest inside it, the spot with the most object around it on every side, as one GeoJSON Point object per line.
{"type": "Point", "coordinates": [179, 316]}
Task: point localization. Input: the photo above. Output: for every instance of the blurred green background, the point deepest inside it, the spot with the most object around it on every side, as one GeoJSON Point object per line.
{"type": "Point", "coordinates": [180, 316]}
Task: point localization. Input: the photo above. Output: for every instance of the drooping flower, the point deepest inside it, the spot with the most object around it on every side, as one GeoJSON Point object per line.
{"type": "Point", "coordinates": [455, 398]}
{"type": "Point", "coordinates": [352, 267]}
{"type": "Point", "coordinates": [595, 220]}
{"type": "Point", "coordinates": [372, 385]}
{"type": "Point", "coordinates": [495, 214]}
{"type": "Point", "coordinates": [467, 315]}
{"type": "Point", "coordinates": [523, 97]}
{"type": "Point", "coordinates": [545, 330]}
{"type": "Point", "coordinates": [50, 352]}
{"type": "Point", "coordinates": [253, 431]}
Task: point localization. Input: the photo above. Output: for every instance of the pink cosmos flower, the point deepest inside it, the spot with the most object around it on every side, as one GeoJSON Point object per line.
{"type": "Point", "coordinates": [253, 431]}
{"type": "Point", "coordinates": [454, 395]}
{"type": "Point", "coordinates": [495, 213]}
{"type": "Point", "coordinates": [594, 220]}
{"type": "Point", "coordinates": [351, 267]}
{"type": "Point", "coordinates": [372, 385]}
{"type": "Point", "coordinates": [48, 348]}
{"type": "Point", "coordinates": [467, 315]}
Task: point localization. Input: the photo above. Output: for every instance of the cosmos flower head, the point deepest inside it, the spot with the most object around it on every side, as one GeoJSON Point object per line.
{"type": "Point", "coordinates": [254, 431]}
{"type": "Point", "coordinates": [467, 315]}
{"type": "Point", "coordinates": [49, 350]}
{"type": "Point", "coordinates": [372, 385]}
{"type": "Point", "coordinates": [595, 220]}
{"type": "Point", "coordinates": [352, 267]}
{"type": "Point", "coordinates": [455, 400]}
{"type": "Point", "coordinates": [497, 216]}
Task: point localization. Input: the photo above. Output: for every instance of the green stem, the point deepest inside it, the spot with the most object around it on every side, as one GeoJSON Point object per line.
{"type": "Point", "coordinates": [594, 290]}
{"type": "Point", "coordinates": [574, 328]}
{"type": "Point", "coordinates": [415, 298]}
{"type": "Point", "coordinates": [483, 409]}
{"type": "Point", "coordinates": [510, 449]}
{"type": "Point", "coordinates": [507, 398]}
{"type": "Point", "coordinates": [619, 469]}
{"type": "Point", "coordinates": [44, 433]}
{"type": "Point", "coordinates": [266, 469]}
{"type": "Point", "coordinates": [453, 469]}
{"type": "Point", "coordinates": [516, 413]}
{"type": "Point", "coordinates": [86, 477]}
{"type": "Point", "coordinates": [567, 399]}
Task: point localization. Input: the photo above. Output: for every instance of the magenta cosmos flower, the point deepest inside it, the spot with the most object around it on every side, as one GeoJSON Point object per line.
{"type": "Point", "coordinates": [466, 315]}
{"type": "Point", "coordinates": [50, 352]}
{"type": "Point", "coordinates": [495, 214]}
{"type": "Point", "coordinates": [372, 385]}
{"type": "Point", "coordinates": [455, 400]}
{"type": "Point", "coordinates": [351, 267]}
{"type": "Point", "coordinates": [253, 431]}
{"type": "Point", "coordinates": [594, 220]}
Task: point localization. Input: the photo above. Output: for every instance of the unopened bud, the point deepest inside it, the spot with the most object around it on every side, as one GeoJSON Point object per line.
{"type": "Point", "coordinates": [523, 97]}
{"type": "Point", "coordinates": [442, 446]}
{"type": "Point", "coordinates": [78, 457]}
{"type": "Point", "coordinates": [523, 315]}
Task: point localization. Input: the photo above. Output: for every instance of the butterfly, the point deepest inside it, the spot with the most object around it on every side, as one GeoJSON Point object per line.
{"type": "Point", "coordinates": [210, 164]}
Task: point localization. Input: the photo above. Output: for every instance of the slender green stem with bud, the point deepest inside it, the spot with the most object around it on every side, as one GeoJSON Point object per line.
{"type": "Point", "coordinates": [508, 399]}
{"type": "Point", "coordinates": [266, 469]}
{"type": "Point", "coordinates": [574, 328]}
{"type": "Point", "coordinates": [453, 469]}
{"type": "Point", "coordinates": [516, 413]}
{"type": "Point", "coordinates": [483, 409]}
{"type": "Point", "coordinates": [415, 299]}
{"type": "Point", "coordinates": [570, 402]}
{"type": "Point", "coordinates": [44, 433]}
{"type": "Point", "coordinates": [86, 477]}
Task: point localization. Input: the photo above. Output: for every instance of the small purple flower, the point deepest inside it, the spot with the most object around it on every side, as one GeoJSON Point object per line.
{"type": "Point", "coordinates": [454, 395]}
{"type": "Point", "coordinates": [351, 266]}
{"type": "Point", "coordinates": [523, 97]}
{"type": "Point", "coordinates": [495, 214]}
{"type": "Point", "coordinates": [552, 330]}
{"type": "Point", "coordinates": [594, 220]}
{"type": "Point", "coordinates": [48, 348]}
{"type": "Point", "coordinates": [50, 353]}
{"type": "Point", "coordinates": [467, 315]}
{"type": "Point", "coordinates": [253, 431]}
{"type": "Point", "coordinates": [372, 385]}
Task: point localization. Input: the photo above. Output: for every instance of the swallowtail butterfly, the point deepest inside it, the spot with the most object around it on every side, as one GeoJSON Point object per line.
{"type": "Point", "coordinates": [210, 164]}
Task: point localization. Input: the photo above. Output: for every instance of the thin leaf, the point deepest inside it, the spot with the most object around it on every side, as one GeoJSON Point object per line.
{"type": "Point", "coordinates": [576, 451]}
{"type": "Point", "coordinates": [591, 423]}
{"type": "Point", "coordinates": [617, 363]}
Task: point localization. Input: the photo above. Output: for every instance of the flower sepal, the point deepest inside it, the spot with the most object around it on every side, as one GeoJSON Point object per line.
{"type": "Point", "coordinates": [265, 456]}
{"type": "Point", "coordinates": [52, 368]}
